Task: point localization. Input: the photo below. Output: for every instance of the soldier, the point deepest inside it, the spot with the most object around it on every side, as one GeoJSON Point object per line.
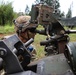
{"type": "Point", "coordinates": [25, 31]}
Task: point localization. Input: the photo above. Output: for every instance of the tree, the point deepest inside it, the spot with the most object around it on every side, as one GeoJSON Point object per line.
{"type": "Point", "coordinates": [62, 15]}
{"type": "Point", "coordinates": [37, 1]}
{"type": "Point", "coordinates": [69, 13]}
{"type": "Point", "coordinates": [6, 13]}
{"type": "Point", "coordinates": [55, 4]}
{"type": "Point", "coordinates": [27, 11]}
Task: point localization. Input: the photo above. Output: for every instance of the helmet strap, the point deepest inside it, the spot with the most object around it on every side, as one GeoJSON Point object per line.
{"type": "Point", "coordinates": [28, 35]}
{"type": "Point", "coordinates": [23, 38]}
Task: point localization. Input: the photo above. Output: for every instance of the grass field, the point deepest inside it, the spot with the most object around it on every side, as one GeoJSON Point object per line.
{"type": "Point", "coordinates": [40, 49]}
{"type": "Point", "coordinates": [7, 29]}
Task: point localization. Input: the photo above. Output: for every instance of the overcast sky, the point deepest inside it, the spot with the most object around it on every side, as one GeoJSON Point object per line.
{"type": "Point", "coordinates": [20, 5]}
{"type": "Point", "coordinates": [65, 5]}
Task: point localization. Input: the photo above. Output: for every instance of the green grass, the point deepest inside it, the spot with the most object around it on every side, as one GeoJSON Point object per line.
{"type": "Point", "coordinates": [6, 29]}
{"type": "Point", "coordinates": [38, 38]}
{"type": "Point", "coordinates": [72, 35]}
{"type": "Point", "coordinates": [10, 29]}
{"type": "Point", "coordinates": [39, 49]}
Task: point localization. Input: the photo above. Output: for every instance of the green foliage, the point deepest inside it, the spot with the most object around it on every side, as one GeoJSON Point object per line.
{"type": "Point", "coordinates": [6, 13]}
{"type": "Point", "coordinates": [7, 29]}
{"type": "Point", "coordinates": [69, 13]}
{"type": "Point", "coordinates": [37, 40]}
{"type": "Point", "coordinates": [27, 10]}
{"type": "Point", "coordinates": [39, 49]}
{"type": "Point", "coordinates": [50, 3]}
{"type": "Point", "coordinates": [73, 37]}
{"type": "Point", "coordinates": [55, 4]}
{"type": "Point", "coordinates": [37, 1]}
{"type": "Point", "coordinates": [62, 14]}
{"type": "Point", "coordinates": [15, 15]}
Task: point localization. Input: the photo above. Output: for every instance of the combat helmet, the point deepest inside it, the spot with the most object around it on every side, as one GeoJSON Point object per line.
{"type": "Point", "coordinates": [22, 23]}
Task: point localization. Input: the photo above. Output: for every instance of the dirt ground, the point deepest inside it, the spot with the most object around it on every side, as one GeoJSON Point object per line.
{"type": "Point", "coordinates": [2, 35]}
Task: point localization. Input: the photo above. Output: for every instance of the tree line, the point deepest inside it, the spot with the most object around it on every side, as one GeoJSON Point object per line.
{"type": "Point", "coordinates": [56, 5]}
{"type": "Point", "coordinates": [7, 14]}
